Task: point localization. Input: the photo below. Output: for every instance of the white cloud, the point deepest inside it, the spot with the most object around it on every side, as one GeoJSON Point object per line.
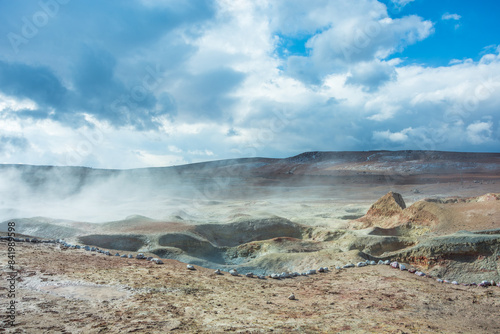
{"type": "Point", "coordinates": [372, 75]}
{"type": "Point", "coordinates": [397, 137]}
{"type": "Point", "coordinates": [207, 153]}
{"type": "Point", "coordinates": [479, 132]}
{"type": "Point", "coordinates": [174, 149]}
{"type": "Point", "coordinates": [401, 3]}
{"type": "Point", "coordinates": [448, 16]}
{"type": "Point", "coordinates": [347, 40]}
{"type": "Point", "coordinates": [159, 160]}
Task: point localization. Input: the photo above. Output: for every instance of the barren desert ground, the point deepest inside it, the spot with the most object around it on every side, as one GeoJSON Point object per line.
{"type": "Point", "coordinates": [434, 213]}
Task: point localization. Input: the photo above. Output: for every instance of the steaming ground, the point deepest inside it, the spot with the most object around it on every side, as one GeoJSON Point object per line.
{"type": "Point", "coordinates": [260, 215]}
{"type": "Point", "coordinates": [213, 190]}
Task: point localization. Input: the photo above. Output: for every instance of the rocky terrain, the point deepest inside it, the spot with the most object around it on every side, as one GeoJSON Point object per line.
{"type": "Point", "coordinates": [435, 212]}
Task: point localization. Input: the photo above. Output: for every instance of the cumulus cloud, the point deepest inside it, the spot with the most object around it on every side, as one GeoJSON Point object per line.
{"type": "Point", "coordinates": [176, 82]}
{"type": "Point", "coordinates": [479, 132]}
{"type": "Point", "coordinates": [372, 75]}
{"type": "Point", "coordinates": [106, 66]}
{"type": "Point", "coordinates": [397, 137]}
{"type": "Point", "coordinates": [345, 34]}
{"type": "Point", "coordinates": [9, 144]}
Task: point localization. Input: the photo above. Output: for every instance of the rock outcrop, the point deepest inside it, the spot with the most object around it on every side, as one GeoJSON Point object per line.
{"type": "Point", "coordinates": [385, 212]}
{"type": "Point", "coordinates": [443, 215]}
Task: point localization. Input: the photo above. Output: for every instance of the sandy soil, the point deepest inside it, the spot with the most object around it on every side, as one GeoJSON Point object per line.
{"type": "Point", "coordinates": [72, 291]}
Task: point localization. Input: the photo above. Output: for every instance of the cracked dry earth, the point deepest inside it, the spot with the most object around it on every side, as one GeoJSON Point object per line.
{"type": "Point", "coordinates": [73, 291]}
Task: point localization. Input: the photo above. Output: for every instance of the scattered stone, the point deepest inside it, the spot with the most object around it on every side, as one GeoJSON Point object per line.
{"type": "Point", "coordinates": [485, 283]}
{"type": "Point", "coordinates": [291, 297]}
{"type": "Point", "coordinates": [321, 270]}
{"type": "Point", "coordinates": [218, 272]}
{"type": "Point", "coordinates": [233, 272]}
{"type": "Point", "coordinates": [158, 261]}
{"type": "Point", "coordinates": [311, 272]}
{"type": "Point", "coordinates": [190, 267]}
{"type": "Point", "coordinates": [285, 275]}
{"type": "Point", "coordinates": [338, 268]}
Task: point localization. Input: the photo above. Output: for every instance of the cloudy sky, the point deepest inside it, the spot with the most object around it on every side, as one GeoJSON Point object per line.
{"type": "Point", "coordinates": [137, 83]}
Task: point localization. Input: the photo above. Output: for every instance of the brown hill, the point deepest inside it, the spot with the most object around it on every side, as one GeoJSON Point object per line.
{"type": "Point", "coordinates": [442, 215]}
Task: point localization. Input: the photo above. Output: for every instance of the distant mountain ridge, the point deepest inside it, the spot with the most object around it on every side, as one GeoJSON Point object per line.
{"type": "Point", "coordinates": [306, 157]}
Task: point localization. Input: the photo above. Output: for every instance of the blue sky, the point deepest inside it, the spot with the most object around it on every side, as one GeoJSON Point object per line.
{"type": "Point", "coordinates": [138, 83]}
